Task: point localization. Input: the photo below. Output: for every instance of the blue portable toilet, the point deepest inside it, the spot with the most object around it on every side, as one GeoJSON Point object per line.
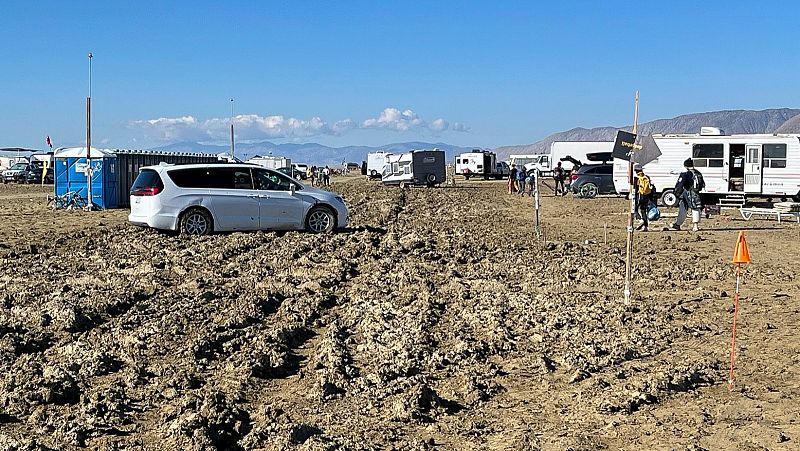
{"type": "Point", "coordinates": [70, 175]}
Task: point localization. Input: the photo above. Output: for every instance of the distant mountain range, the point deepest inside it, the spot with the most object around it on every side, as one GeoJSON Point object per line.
{"type": "Point", "coordinates": [311, 153]}
{"type": "Point", "coordinates": [783, 120]}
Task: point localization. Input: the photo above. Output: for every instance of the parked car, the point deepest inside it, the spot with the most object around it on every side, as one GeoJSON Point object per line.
{"type": "Point", "coordinates": [198, 199]}
{"type": "Point", "coordinates": [593, 179]}
{"type": "Point", "coordinates": [302, 168]}
{"type": "Point", "coordinates": [292, 172]}
{"type": "Point", "coordinates": [15, 173]}
{"type": "Point", "coordinates": [34, 175]}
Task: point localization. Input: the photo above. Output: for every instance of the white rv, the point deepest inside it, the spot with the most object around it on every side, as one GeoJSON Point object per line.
{"type": "Point", "coordinates": [480, 163]}
{"type": "Point", "coordinates": [271, 162]}
{"type": "Point", "coordinates": [375, 163]}
{"type": "Point", "coordinates": [577, 150]}
{"type": "Point", "coordinates": [734, 167]}
{"type": "Point", "coordinates": [417, 167]}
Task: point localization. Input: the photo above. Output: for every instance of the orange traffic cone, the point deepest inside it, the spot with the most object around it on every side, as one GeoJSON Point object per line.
{"type": "Point", "coordinates": [741, 254]}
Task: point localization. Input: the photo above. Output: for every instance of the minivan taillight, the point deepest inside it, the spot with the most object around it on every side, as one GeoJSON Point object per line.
{"type": "Point", "coordinates": [574, 177]}
{"type": "Point", "coordinates": [151, 191]}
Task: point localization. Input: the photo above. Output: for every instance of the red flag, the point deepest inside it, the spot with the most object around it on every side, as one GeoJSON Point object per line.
{"type": "Point", "coordinates": [48, 142]}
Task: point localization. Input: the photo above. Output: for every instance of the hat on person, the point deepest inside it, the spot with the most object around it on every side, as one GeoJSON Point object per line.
{"type": "Point", "coordinates": [688, 163]}
{"type": "Point", "coordinates": [638, 167]}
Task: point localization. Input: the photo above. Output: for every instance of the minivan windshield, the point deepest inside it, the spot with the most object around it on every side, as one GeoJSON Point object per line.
{"type": "Point", "coordinates": [19, 167]}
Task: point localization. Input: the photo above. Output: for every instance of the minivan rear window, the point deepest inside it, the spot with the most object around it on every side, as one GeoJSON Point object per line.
{"type": "Point", "coordinates": [147, 179]}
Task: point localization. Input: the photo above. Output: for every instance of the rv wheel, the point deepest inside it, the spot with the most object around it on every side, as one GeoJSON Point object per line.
{"type": "Point", "coordinates": [669, 199]}
{"type": "Point", "coordinates": [431, 178]}
{"type": "Point", "coordinates": [402, 185]}
{"type": "Point", "coordinates": [373, 173]}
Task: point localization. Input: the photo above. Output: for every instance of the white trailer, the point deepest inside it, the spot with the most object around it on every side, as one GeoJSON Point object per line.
{"type": "Point", "coordinates": [271, 162]}
{"type": "Point", "coordinates": [480, 163]}
{"type": "Point", "coordinates": [577, 150]}
{"type": "Point", "coordinates": [375, 163]}
{"type": "Point", "coordinates": [417, 167]}
{"type": "Point", "coordinates": [734, 167]}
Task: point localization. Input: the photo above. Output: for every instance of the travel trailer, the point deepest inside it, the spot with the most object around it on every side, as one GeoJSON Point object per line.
{"type": "Point", "coordinates": [375, 163]}
{"type": "Point", "coordinates": [480, 163]}
{"type": "Point", "coordinates": [418, 167]}
{"type": "Point", "coordinates": [734, 167]}
{"type": "Point", "coordinates": [271, 162]}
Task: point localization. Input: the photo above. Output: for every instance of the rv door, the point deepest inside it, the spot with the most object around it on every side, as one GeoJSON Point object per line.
{"type": "Point", "coordinates": [752, 169]}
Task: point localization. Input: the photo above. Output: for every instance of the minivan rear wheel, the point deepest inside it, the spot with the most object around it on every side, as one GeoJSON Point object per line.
{"type": "Point", "coordinates": [320, 220]}
{"type": "Point", "coordinates": [196, 221]}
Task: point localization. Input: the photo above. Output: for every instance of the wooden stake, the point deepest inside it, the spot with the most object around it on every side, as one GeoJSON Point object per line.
{"type": "Point", "coordinates": [632, 212]}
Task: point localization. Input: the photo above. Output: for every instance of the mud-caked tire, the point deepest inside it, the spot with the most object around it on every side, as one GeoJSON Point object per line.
{"type": "Point", "coordinates": [320, 220]}
{"type": "Point", "coordinates": [196, 221]}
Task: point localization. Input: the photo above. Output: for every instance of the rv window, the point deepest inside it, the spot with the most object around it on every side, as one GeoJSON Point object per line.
{"type": "Point", "coordinates": [774, 150]}
{"type": "Point", "coordinates": [395, 168]}
{"type": "Point", "coordinates": [774, 156]}
{"type": "Point", "coordinates": [715, 163]}
{"type": "Point", "coordinates": [708, 151]}
{"type": "Point", "coordinates": [700, 162]}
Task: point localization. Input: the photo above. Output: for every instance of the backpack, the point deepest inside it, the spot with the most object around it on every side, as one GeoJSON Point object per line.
{"type": "Point", "coordinates": [698, 184]}
{"type": "Point", "coordinates": [645, 190]}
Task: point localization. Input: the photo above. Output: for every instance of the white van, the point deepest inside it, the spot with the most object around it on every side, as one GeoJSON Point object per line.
{"type": "Point", "coordinates": [198, 199]}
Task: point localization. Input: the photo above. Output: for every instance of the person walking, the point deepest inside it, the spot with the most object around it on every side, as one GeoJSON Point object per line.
{"type": "Point", "coordinates": [558, 176]}
{"type": "Point", "coordinates": [531, 181]}
{"type": "Point", "coordinates": [326, 176]}
{"type": "Point", "coordinates": [687, 190]}
{"type": "Point", "coordinates": [521, 182]}
{"type": "Point", "coordinates": [644, 195]}
{"type": "Point", "coordinates": [512, 179]}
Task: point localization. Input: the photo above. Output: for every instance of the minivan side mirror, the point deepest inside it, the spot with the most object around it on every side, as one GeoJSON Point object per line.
{"type": "Point", "coordinates": [291, 188]}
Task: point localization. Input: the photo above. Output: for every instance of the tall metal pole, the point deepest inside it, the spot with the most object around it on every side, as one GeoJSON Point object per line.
{"type": "Point", "coordinates": [232, 154]}
{"type": "Point", "coordinates": [89, 205]}
{"type": "Point", "coordinates": [632, 212]}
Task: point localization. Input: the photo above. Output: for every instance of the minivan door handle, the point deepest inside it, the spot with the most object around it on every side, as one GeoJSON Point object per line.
{"type": "Point", "coordinates": [253, 196]}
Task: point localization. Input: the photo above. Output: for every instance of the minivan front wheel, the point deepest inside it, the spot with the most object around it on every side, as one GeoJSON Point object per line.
{"type": "Point", "coordinates": [320, 220]}
{"type": "Point", "coordinates": [196, 221]}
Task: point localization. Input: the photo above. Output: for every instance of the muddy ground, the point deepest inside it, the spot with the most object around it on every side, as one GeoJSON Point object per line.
{"type": "Point", "coordinates": [438, 320]}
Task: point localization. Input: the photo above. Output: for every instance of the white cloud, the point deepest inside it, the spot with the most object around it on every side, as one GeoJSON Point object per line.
{"type": "Point", "coordinates": [254, 127]}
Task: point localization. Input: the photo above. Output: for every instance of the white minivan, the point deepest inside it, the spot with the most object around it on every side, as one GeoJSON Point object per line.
{"type": "Point", "coordinates": [198, 199]}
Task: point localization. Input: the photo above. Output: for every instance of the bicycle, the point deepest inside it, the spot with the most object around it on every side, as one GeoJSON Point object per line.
{"type": "Point", "coordinates": [67, 201]}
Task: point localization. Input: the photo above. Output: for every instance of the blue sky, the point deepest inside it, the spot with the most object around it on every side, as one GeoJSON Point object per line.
{"type": "Point", "coordinates": [368, 73]}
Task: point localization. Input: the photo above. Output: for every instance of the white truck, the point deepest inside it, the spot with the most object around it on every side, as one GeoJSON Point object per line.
{"type": "Point", "coordinates": [734, 167]}
{"type": "Point", "coordinates": [480, 163]}
{"type": "Point", "coordinates": [375, 163]}
{"type": "Point", "coordinates": [271, 162]}
{"type": "Point", "coordinates": [531, 163]}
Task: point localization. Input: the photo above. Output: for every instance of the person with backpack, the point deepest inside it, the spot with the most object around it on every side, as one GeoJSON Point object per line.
{"type": "Point", "coordinates": [521, 182]}
{"type": "Point", "coordinates": [558, 176]}
{"type": "Point", "coordinates": [645, 191]}
{"type": "Point", "coordinates": [687, 190]}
